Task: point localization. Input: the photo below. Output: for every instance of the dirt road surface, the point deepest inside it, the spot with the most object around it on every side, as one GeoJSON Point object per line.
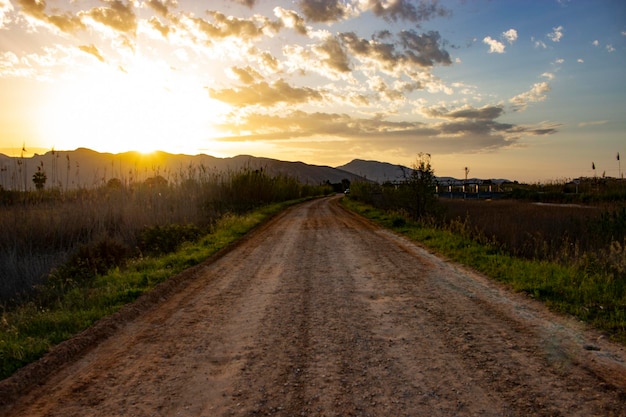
{"type": "Point", "coordinates": [320, 313]}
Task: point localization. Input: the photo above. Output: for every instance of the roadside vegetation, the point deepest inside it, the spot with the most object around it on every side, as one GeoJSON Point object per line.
{"type": "Point", "coordinates": [571, 257]}
{"type": "Point", "coordinates": [71, 258]}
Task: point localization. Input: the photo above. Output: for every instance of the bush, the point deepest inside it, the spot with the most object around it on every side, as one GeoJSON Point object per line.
{"type": "Point", "coordinates": [96, 258]}
{"type": "Point", "coordinates": [160, 240]}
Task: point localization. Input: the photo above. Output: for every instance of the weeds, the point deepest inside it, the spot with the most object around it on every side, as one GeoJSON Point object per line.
{"type": "Point", "coordinates": [587, 282]}
{"type": "Point", "coordinates": [86, 231]}
{"type": "Point", "coordinates": [69, 302]}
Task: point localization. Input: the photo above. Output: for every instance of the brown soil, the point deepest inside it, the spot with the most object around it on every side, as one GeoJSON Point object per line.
{"type": "Point", "coordinates": [320, 313]}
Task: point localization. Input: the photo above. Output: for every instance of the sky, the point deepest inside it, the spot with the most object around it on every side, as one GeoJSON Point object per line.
{"type": "Point", "coordinates": [533, 91]}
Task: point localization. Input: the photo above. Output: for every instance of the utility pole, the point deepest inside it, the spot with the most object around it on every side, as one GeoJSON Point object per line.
{"type": "Point", "coordinates": [465, 183]}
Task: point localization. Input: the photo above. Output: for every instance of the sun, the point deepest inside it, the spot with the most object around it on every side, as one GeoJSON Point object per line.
{"type": "Point", "coordinates": [145, 108]}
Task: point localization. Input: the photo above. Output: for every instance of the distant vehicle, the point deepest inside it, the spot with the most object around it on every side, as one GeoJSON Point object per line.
{"type": "Point", "coordinates": [347, 191]}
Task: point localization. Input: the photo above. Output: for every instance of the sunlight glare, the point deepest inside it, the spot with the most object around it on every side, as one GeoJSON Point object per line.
{"type": "Point", "coordinates": [146, 108]}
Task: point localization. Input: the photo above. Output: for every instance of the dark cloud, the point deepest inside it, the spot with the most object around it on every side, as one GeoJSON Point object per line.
{"type": "Point", "coordinates": [333, 56]}
{"type": "Point", "coordinates": [92, 50]}
{"type": "Point", "coordinates": [67, 23]}
{"type": "Point", "coordinates": [265, 94]}
{"type": "Point", "coordinates": [483, 113]}
{"type": "Point", "coordinates": [410, 10]}
{"type": "Point", "coordinates": [118, 16]}
{"type": "Point", "coordinates": [383, 53]}
{"type": "Point", "coordinates": [424, 50]}
{"type": "Point", "coordinates": [467, 135]}
{"type": "Point", "coordinates": [247, 3]}
{"type": "Point", "coordinates": [322, 10]}
{"type": "Point", "coordinates": [161, 7]}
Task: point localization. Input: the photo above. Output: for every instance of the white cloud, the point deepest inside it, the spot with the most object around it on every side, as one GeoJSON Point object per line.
{"type": "Point", "coordinates": [594, 123]}
{"type": "Point", "coordinates": [610, 48]}
{"type": "Point", "coordinates": [548, 75]}
{"type": "Point", "coordinates": [510, 35]}
{"type": "Point", "coordinates": [5, 8]}
{"type": "Point", "coordinates": [535, 94]}
{"type": "Point", "coordinates": [559, 61]}
{"type": "Point", "coordinates": [494, 45]}
{"type": "Point", "coordinates": [538, 43]}
{"type": "Point", "coordinates": [580, 60]}
{"type": "Point", "coordinates": [595, 43]}
{"type": "Point", "coordinates": [556, 35]}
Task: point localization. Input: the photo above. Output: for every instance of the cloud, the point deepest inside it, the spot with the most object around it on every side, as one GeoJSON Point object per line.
{"type": "Point", "coordinates": [536, 94]}
{"type": "Point", "coordinates": [539, 43]}
{"type": "Point", "coordinates": [265, 94]}
{"type": "Point", "coordinates": [556, 34]}
{"type": "Point", "coordinates": [247, 75]}
{"type": "Point", "coordinates": [247, 3]}
{"type": "Point", "coordinates": [425, 49]}
{"type": "Point", "coordinates": [162, 7]}
{"type": "Point", "coordinates": [221, 26]}
{"type": "Point", "coordinates": [580, 60]}
{"type": "Point", "coordinates": [610, 48]}
{"type": "Point", "coordinates": [379, 135]}
{"type": "Point", "coordinates": [595, 43]}
{"type": "Point", "coordinates": [548, 75]}
{"type": "Point", "coordinates": [510, 35]}
{"type": "Point", "coordinates": [118, 16]}
{"type": "Point", "coordinates": [323, 10]}
{"type": "Point", "coordinates": [394, 10]}
{"type": "Point", "coordinates": [5, 8]}
{"type": "Point", "coordinates": [156, 24]}
{"type": "Point", "coordinates": [332, 55]}
{"type": "Point", "coordinates": [92, 50]}
{"type": "Point", "coordinates": [467, 112]}
{"type": "Point", "coordinates": [593, 123]}
{"type": "Point", "coordinates": [422, 50]}
{"type": "Point", "coordinates": [291, 19]}
{"type": "Point", "coordinates": [37, 9]}
{"type": "Point", "coordinates": [494, 45]}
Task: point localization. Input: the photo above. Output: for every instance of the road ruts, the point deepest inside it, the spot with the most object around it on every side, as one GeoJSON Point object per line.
{"type": "Point", "coordinates": [320, 313]}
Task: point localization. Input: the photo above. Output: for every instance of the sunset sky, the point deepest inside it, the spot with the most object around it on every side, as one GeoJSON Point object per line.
{"type": "Point", "coordinates": [525, 90]}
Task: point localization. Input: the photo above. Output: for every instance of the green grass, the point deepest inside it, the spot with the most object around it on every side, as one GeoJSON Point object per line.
{"type": "Point", "coordinates": [62, 309]}
{"type": "Point", "coordinates": [591, 295]}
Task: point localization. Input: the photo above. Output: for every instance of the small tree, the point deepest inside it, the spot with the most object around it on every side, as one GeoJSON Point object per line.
{"type": "Point", "coordinates": [421, 185]}
{"type": "Point", "coordinates": [39, 179]}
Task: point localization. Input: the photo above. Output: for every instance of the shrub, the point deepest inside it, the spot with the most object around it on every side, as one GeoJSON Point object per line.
{"type": "Point", "coordinates": [96, 258]}
{"type": "Point", "coordinates": [159, 240]}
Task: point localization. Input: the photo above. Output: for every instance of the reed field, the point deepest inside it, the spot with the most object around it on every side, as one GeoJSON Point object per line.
{"type": "Point", "coordinates": [90, 230]}
{"type": "Point", "coordinates": [571, 255]}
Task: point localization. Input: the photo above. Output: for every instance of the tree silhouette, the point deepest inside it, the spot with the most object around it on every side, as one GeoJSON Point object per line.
{"type": "Point", "coordinates": [39, 178]}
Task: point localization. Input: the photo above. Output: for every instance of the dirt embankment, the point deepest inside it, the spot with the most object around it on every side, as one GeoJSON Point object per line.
{"type": "Point", "coordinates": [319, 313]}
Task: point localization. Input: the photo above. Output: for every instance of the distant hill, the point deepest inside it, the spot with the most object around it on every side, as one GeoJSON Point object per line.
{"type": "Point", "coordinates": [383, 171]}
{"type": "Point", "coordinates": [87, 168]}
{"type": "Point", "coordinates": [379, 172]}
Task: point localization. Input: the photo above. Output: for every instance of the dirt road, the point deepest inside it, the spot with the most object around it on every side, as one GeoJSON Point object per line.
{"type": "Point", "coordinates": [319, 313]}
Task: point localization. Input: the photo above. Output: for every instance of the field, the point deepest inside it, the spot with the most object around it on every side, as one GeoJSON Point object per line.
{"type": "Point", "coordinates": [563, 233]}
{"type": "Point", "coordinates": [80, 233]}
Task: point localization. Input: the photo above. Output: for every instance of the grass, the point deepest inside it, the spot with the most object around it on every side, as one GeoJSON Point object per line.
{"type": "Point", "coordinates": [64, 307]}
{"type": "Point", "coordinates": [593, 295]}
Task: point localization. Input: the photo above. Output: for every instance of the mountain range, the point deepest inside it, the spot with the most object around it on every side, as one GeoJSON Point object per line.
{"type": "Point", "coordinates": [87, 168]}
